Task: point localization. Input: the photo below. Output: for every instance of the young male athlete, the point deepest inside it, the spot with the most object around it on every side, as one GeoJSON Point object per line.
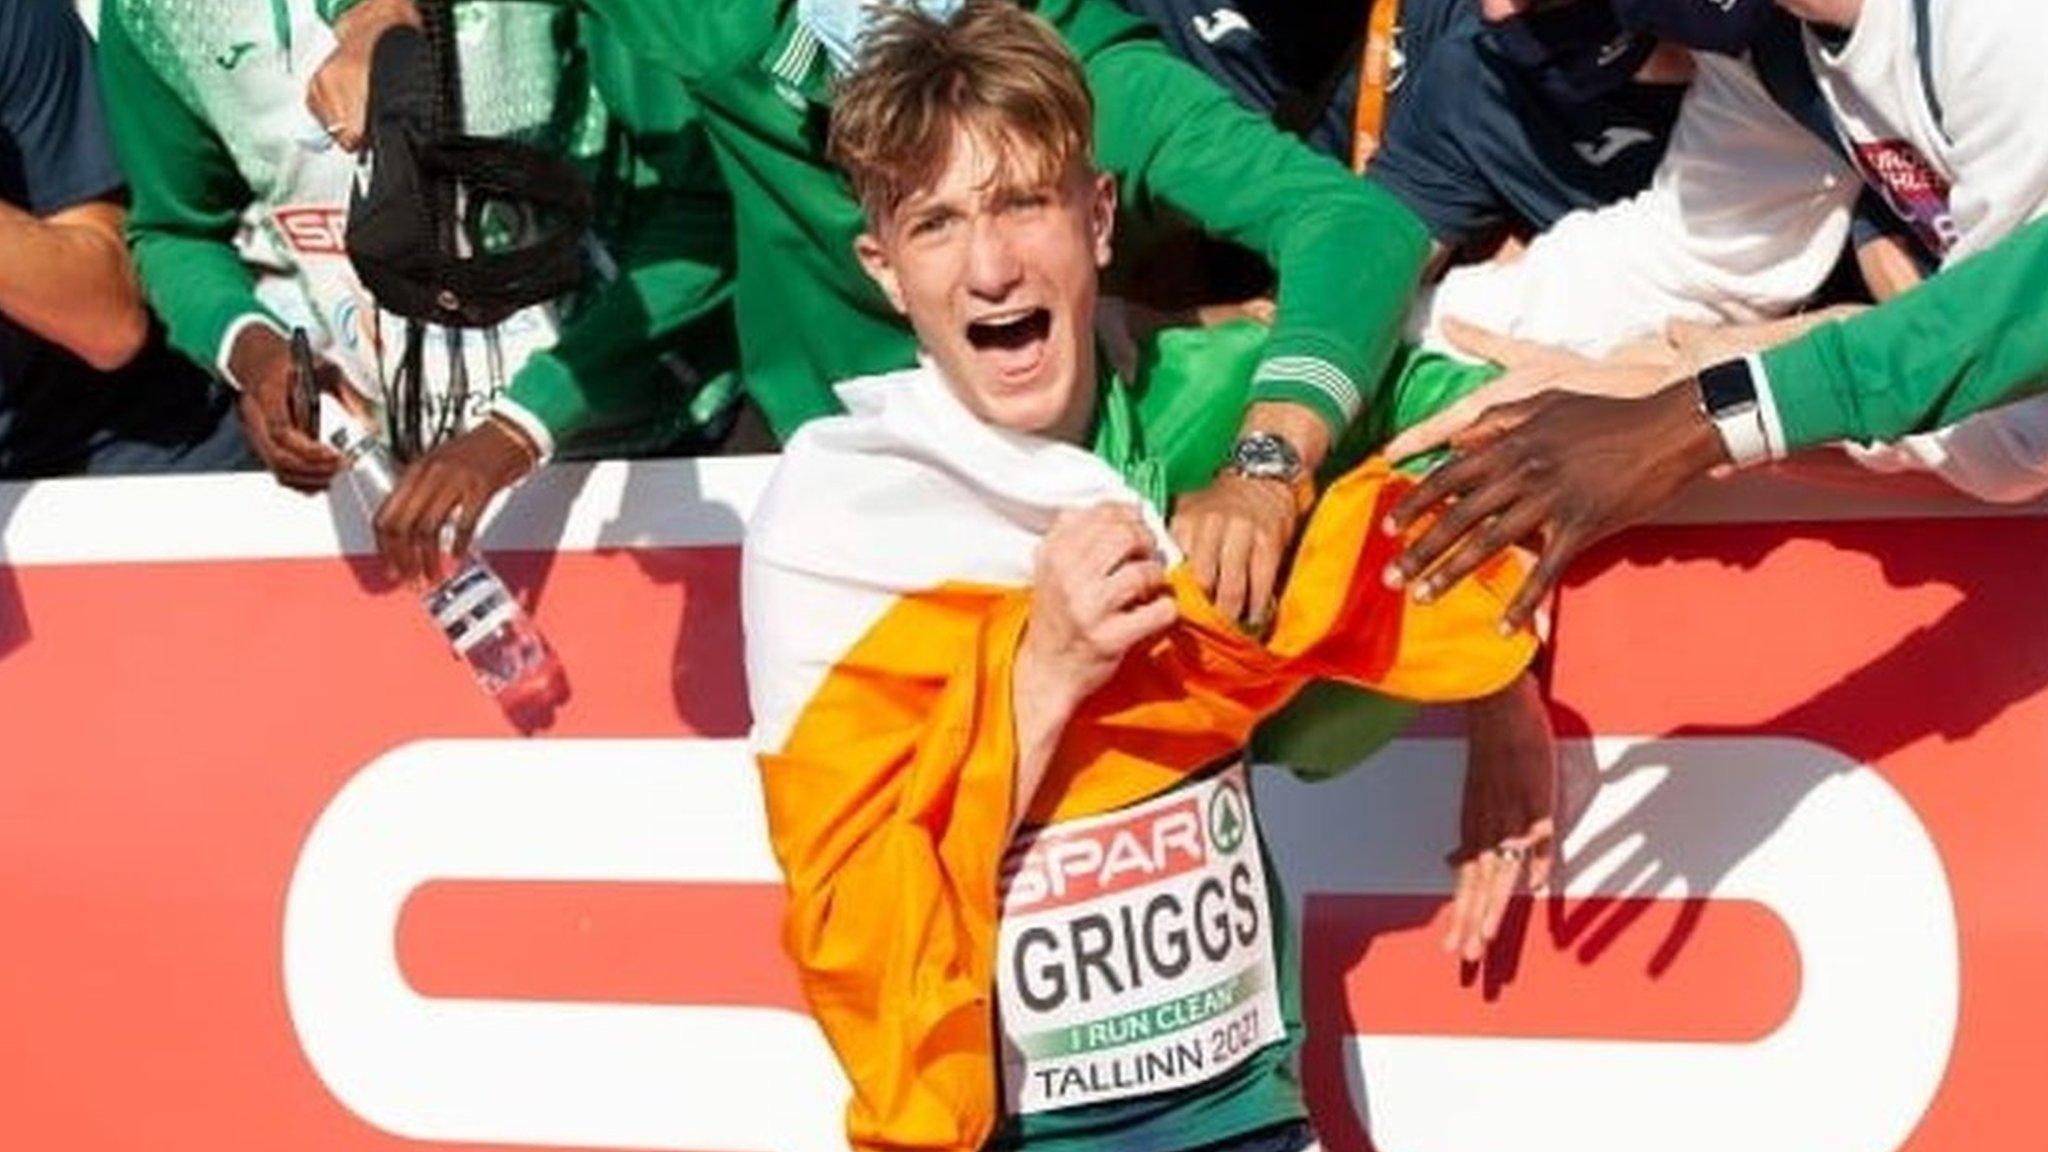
{"type": "Point", "coordinates": [1001, 731]}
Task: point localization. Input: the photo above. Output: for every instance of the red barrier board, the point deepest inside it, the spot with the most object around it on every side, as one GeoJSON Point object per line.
{"type": "Point", "coordinates": [276, 875]}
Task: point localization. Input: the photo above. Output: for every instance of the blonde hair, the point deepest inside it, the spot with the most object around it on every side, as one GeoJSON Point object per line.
{"type": "Point", "coordinates": [991, 70]}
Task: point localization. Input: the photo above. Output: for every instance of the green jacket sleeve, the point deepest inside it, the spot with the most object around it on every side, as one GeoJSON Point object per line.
{"type": "Point", "coordinates": [666, 225]}
{"type": "Point", "coordinates": [1347, 254]}
{"type": "Point", "coordinates": [1973, 337]}
{"type": "Point", "coordinates": [186, 200]}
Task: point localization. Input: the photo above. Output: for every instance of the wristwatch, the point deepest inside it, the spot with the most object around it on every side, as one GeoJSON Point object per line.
{"type": "Point", "coordinates": [1728, 399]}
{"type": "Point", "coordinates": [1269, 456]}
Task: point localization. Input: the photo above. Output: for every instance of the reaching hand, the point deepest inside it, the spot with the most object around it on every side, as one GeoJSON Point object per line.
{"type": "Point", "coordinates": [1530, 369]}
{"type": "Point", "coordinates": [261, 363]}
{"type": "Point", "coordinates": [1507, 829]}
{"type": "Point", "coordinates": [1566, 469]}
{"type": "Point", "coordinates": [338, 96]}
{"type": "Point", "coordinates": [442, 494]}
{"type": "Point", "coordinates": [1704, 344]}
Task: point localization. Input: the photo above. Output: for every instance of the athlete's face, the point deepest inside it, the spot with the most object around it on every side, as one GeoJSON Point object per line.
{"type": "Point", "coordinates": [996, 269]}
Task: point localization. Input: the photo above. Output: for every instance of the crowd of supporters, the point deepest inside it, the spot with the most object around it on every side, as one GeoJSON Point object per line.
{"type": "Point", "coordinates": [1698, 180]}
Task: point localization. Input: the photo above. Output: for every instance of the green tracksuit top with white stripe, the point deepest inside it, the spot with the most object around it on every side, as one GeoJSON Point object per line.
{"type": "Point", "coordinates": [236, 213]}
{"type": "Point", "coordinates": [1348, 256]}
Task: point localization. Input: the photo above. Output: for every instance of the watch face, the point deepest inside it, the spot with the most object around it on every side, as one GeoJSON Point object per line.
{"type": "Point", "coordinates": [1726, 388]}
{"type": "Point", "coordinates": [1266, 456]}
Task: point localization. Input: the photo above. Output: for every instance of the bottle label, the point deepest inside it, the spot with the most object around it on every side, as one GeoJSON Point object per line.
{"type": "Point", "coordinates": [470, 604]}
{"type": "Point", "coordinates": [483, 627]}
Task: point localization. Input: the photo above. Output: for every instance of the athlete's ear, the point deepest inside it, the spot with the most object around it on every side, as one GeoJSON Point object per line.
{"type": "Point", "coordinates": [1102, 216]}
{"type": "Point", "coordinates": [874, 260]}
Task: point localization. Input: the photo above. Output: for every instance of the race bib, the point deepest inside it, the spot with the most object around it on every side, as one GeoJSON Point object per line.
{"type": "Point", "coordinates": [1135, 954]}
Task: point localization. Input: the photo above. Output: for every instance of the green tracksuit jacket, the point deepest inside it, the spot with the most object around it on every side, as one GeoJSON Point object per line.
{"type": "Point", "coordinates": [1348, 256]}
{"type": "Point", "coordinates": [1971, 338]}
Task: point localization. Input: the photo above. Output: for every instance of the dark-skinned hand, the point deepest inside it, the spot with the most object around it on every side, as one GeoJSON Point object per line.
{"type": "Point", "coordinates": [1507, 825]}
{"type": "Point", "coordinates": [1559, 468]}
{"type": "Point", "coordinates": [442, 494]}
{"type": "Point", "coordinates": [261, 363]}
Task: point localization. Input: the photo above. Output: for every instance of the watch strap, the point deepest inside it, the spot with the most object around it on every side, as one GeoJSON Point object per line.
{"type": "Point", "coordinates": [1292, 470]}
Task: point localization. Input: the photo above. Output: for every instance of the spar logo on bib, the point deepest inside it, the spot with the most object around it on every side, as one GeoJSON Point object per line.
{"type": "Point", "coordinates": [1135, 954]}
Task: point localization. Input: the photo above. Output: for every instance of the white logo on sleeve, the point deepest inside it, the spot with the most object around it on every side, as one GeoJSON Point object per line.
{"type": "Point", "coordinates": [1612, 142]}
{"type": "Point", "coordinates": [1220, 23]}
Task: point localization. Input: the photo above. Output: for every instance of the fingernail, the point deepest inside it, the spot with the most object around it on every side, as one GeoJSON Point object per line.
{"type": "Point", "coordinates": [1505, 628]}
{"type": "Point", "coordinates": [1392, 577]}
{"type": "Point", "coordinates": [1389, 526]}
{"type": "Point", "coordinates": [1425, 592]}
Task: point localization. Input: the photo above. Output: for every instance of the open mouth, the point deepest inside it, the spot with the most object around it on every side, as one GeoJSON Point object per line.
{"type": "Point", "coordinates": [1010, 333]}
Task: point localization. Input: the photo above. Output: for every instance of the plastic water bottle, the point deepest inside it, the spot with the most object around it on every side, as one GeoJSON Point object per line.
{"type": "Point", "coordinates": [479, 616]}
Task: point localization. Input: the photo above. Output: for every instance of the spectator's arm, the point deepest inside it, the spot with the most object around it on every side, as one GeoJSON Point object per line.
{"type": "Point", "coordinates": [187, 203]}
{"type": "Point", "coordinates": [673, 251]}
{"type": "Point", "coordinates": [1348, 255]}
{"type": "Point", "coordinates": [1889, 257]}
{"type": "Point", "coordinates": [64, 273]}
{"type": "Point", "coordinates": [1887, 266]}
{"type": "Point", "coordinates": [66, 277]}
{"type": "Point", "coordinates": [1971, 338]}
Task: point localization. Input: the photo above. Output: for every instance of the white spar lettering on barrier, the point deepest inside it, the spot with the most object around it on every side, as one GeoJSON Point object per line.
{"type": "Point", "coordinates": [1878, 994]}
{"type": "Point", "coordinates": [1851, 1069]}
{"type": "Point", "coordinates": [748, 1078]}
